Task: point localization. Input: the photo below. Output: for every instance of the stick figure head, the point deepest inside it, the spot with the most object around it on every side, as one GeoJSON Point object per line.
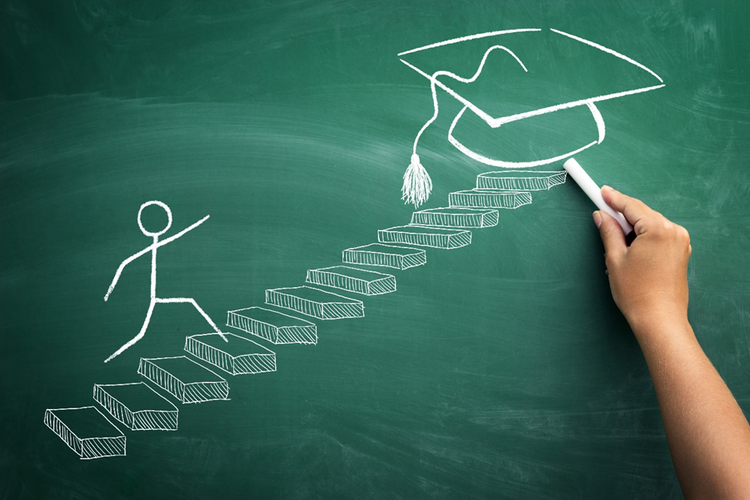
{"type": "Point", "coordinates": [169, 218]}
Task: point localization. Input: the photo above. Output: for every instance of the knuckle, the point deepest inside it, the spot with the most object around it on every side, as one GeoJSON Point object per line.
{"type": "Point", "coordinates": [680, 235]}
{"type": "Point", "coordinates": [662, 228]}
{"type": "Point", "coordinates": [610, 261]}
{"type": "Point", "coordinates": [683, 234]}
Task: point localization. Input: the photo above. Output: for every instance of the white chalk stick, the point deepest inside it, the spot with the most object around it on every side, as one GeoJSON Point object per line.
{"type": "Point", "coordinates": [592, 191]}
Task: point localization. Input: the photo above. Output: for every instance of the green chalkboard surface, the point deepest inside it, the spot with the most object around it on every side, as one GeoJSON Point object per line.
{"type": "Point", "coordinates": [480, 361]}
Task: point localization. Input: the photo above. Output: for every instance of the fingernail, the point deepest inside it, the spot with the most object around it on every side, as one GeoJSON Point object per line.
{"type": "Point", "coordinates": [606, 187]}
{"type": "Point", "coordinates": [597, 219]}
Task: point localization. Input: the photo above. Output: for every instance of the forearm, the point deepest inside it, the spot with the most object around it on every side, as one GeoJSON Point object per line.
{"type": "Point", "coordinates": [708, 435]}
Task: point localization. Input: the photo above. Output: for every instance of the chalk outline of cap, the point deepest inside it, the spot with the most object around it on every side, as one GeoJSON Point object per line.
{"type": "Point", "coordinates": [495, 122]}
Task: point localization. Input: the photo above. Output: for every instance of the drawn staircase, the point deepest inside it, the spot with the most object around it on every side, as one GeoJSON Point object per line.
{"type": "Point", "coordinates": [193, 379]}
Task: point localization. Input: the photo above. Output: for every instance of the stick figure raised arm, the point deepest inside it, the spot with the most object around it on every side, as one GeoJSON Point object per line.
{"type": "Point", "coordinates": [148, 249]}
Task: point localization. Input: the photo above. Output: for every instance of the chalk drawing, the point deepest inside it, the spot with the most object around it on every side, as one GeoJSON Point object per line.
{"type": "Point", "coordinates": [489, 198]}
{"type": "Point", "coordinates": [184, 379]}
{"type": "Point", "coordinates": [89, 433]}
{"type": "Point", "coordinates": [376, 254]}
{"type": "Point", "coordinates": [315, 302]}
{"type": "Point", "coordinates": [424, 236]}
{"type": "Point", "coordinates": [137, 406]}
{"type": "Point", "coordinates": [521, 180]}
{"type": "Point", "coordinates": [456, 217]}
{"type": "Point", "coordinates": [154, 299]}
{"type": "Point", "coordinates": [239, 356]}
{"type": "Point", "coordinates": [273, 326]}
{"type": "Point", "coordinates": [353, 280]}
{"type": "Point", "coordinates": [86, 431]}
{"type": "Point", "coordinates": [417, 183]}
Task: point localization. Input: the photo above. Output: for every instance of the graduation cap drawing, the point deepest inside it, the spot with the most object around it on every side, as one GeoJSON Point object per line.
{"type": "Point", "coordinates": [505, 77]}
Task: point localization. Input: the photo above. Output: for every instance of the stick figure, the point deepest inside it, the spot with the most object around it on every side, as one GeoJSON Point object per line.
{"type": "Point", "coordinates": [154, 299]}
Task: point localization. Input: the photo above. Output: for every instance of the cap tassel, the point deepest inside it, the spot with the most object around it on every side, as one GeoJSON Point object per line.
{"type": "Point", "coordinates": [417, 183]}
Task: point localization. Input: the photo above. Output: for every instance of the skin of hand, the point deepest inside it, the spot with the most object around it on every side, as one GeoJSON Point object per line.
{"type": "Point", "coordinates": [649, 278]}
{"type": "Point", "coordinates": [707, 433]}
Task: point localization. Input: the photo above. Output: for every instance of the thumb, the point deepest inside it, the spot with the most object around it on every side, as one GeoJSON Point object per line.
{"type": "Point", "coordinates": [611, 233]}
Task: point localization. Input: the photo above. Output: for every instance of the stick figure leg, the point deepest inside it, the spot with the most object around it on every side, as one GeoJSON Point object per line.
{"type": "Point", "coordinates": [137, 337]}
{"type": "Point", "coordinates": [195, 304]}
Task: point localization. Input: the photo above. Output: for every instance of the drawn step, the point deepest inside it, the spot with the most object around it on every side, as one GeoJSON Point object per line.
{"type": "Point", "coordinates": [521, 180]}
{"type": "Point", "coordinates": [237, 356]}
{"type": "Point", "coordinates": [424, 236]}
{"type": "Point", "coordinates": [456, 217]}
{"type": "Point", "coordinates": [184, 379]}
{"type": "Point", "coordinates": [273, 326]}
{"type": "Point", "coordinates": [316, 303]}
{"type": "Point", "coordinates": [137, 406]}
{"type": "Point", "coordinates": [376, 254]}
{"type": "Point", "coordinates": [489, 198]}
{"type": "Point", "coordinates": [86, 431]}
{"type": "Point", "coordinates": [353, 280]}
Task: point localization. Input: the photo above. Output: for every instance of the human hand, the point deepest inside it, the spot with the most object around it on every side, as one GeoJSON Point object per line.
{"type": "Point", "coordinates": [648, 279]}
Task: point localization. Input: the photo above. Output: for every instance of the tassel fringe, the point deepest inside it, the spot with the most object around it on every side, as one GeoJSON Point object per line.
{"type": "Point", "coordinates": [417, 183]}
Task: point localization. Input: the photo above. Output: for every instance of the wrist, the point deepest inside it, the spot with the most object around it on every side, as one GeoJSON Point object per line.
{"type": "Point", "coordinates": [660, 326]}
{"type": "Point", "coordinates": [653, 310]}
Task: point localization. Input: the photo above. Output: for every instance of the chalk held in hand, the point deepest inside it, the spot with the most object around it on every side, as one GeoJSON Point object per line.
{"type": "Point", "coordinates": [595, 194]}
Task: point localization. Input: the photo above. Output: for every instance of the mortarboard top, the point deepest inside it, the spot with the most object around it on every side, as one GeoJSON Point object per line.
{"type": "Point", "coordinates": [507, 76]}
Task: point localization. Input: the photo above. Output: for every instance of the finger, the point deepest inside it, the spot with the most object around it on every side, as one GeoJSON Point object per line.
{"type": "Point", "coordinates": [612, 235]}
{"type": "Point", "coordinates": [633, 209]}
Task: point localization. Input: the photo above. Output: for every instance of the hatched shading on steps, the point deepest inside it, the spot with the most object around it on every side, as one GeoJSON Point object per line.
{"type": "Point", "coordinates": [273, 326]}
{"type": "Point", "coordinates": [489, 198]}
{"type": "Point", "coordinates": [456, 217]}
{"type": "Point", "coordinates": [521, 180]}
{"type": "Point", "coordinates": [377, 254]}
{"type": "Point", "coordinates": [86, 431]}
{"type": "Point", "coordinates": [353, 280]}
{"type": "Point", "coordinates": [425, 236]}
{"type": "Point", "coordinates": [315, 302]}
{"type": "Point", "coordinates": [184, 379]}
{"type": "Point", "coordinates": [237, 356]}
{"type": "Point", "coordinates": [137, 406]}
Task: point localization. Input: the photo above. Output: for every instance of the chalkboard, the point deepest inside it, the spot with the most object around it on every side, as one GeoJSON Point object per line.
{"type": "Point", "coordinates": [498, 367]}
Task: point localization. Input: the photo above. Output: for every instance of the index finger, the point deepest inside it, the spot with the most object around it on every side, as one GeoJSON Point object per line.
{"type": "Point", "coordinates": [633, 209]}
